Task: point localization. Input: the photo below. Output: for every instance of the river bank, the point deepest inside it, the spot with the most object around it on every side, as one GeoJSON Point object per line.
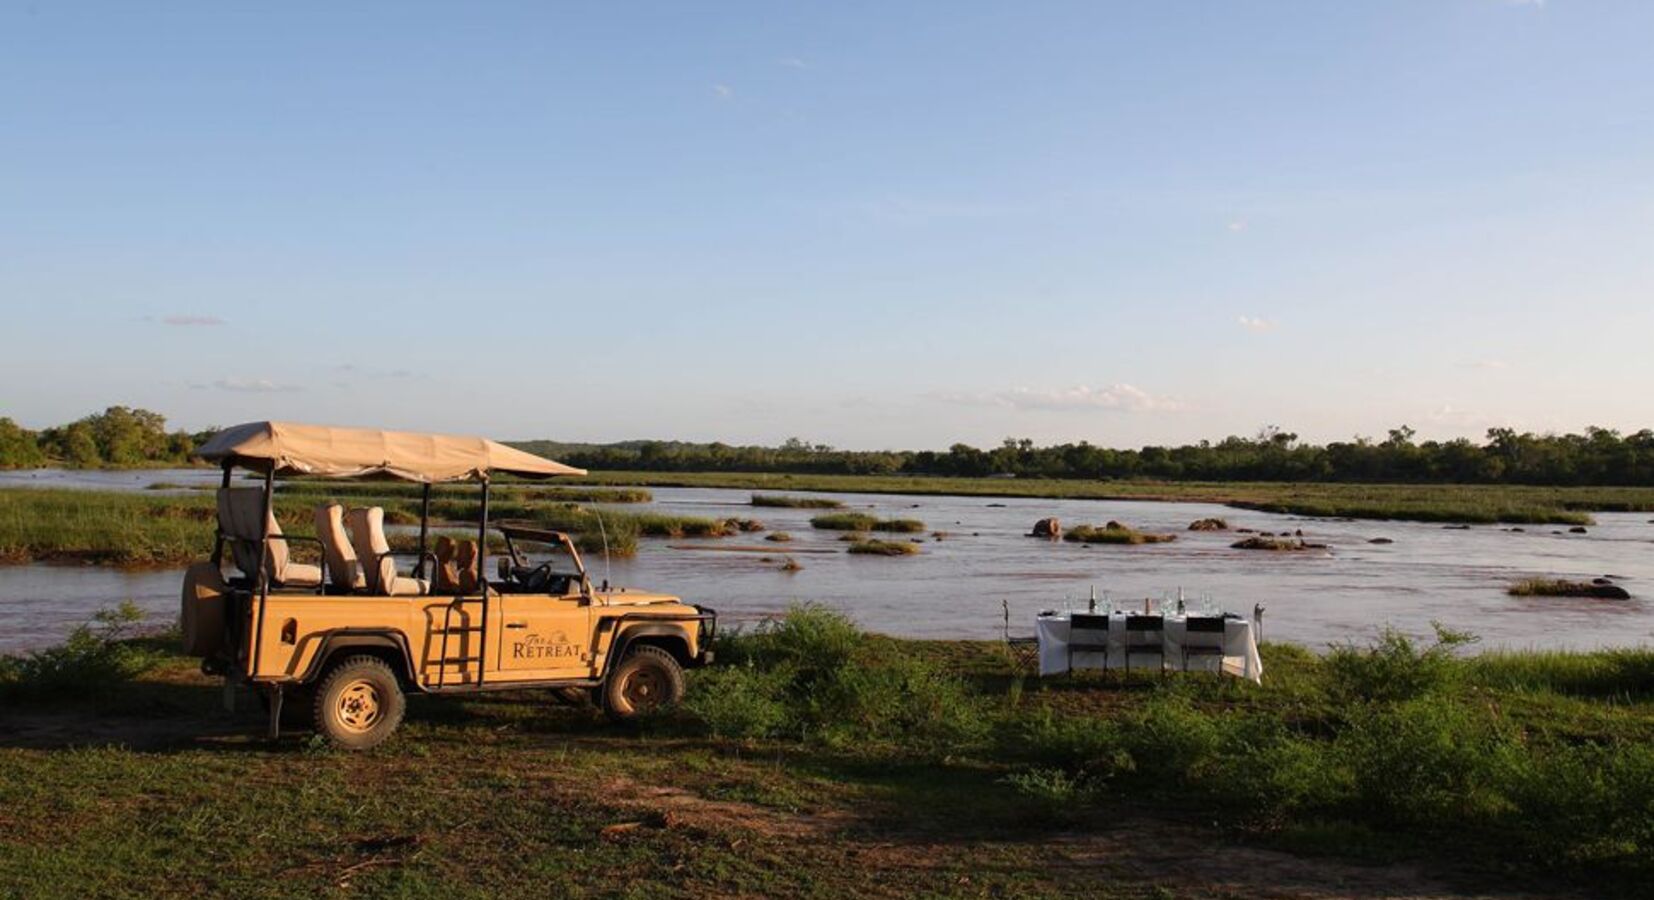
{"type": "Point", "coordinates": [821, 761]}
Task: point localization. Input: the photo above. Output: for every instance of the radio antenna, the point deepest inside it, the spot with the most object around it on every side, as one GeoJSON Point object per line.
{"type": "Point", "coordinates": [604, 533]}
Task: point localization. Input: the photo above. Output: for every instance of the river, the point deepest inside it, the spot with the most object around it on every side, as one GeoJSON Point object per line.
{"type": "Point", "coordinates": [955, 587]}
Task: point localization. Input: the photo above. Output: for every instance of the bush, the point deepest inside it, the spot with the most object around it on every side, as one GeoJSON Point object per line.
{"type": "Point", "coordinates": [93, 658]}
{"type": "Point", "coordinates": [737, 701]}
{"type": "Point", "coordinates": [813, 675]}
{"type": "Point", "coordinates": [1427, 761]}
{"type": "Point", "coordinates": [1395, 668]}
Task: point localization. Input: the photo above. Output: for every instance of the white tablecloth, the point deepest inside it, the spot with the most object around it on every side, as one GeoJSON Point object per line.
{"type": "Point", "coordinates": [1240, 648]}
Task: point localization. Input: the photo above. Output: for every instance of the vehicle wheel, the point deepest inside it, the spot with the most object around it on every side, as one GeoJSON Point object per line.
{"type": "Point", "coordinates": [648, 679]}
{"type": "Point", "coordinates": [359, 703]}
{"type": "Point", "coordinates": [573, 696]}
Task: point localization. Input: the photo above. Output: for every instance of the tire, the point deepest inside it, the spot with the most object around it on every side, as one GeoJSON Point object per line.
{"type": "Point", "coordinates": [648, 679]}
{"type": "Point", "coordinates": [359, 703]}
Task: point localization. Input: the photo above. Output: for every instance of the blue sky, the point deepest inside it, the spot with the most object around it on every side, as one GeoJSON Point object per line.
{"type": "Point", "coordinates": [866, 224]}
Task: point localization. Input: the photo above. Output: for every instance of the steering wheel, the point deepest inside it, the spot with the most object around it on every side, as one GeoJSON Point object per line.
{"type": "Point", "coordinates": [534, 579]}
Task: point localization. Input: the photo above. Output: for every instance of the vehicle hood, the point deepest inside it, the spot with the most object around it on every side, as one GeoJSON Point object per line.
{"type": "Point", "coordinates": [635, 598]}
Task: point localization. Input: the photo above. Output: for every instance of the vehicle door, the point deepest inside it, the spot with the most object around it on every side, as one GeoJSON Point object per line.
{"type": "Point", "coordinates": [545, 636]}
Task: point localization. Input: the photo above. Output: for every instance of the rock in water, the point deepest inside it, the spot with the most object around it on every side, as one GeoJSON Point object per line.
{"type": "Point", "coordinates": [1047, 528]}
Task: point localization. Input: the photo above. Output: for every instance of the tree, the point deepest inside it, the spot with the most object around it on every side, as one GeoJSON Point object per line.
{"type": "Point", "coordinates": [19, 447]}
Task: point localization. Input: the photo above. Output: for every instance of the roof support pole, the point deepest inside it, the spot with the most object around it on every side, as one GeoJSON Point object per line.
{"type": "Point", "coordinates": [424, 527]}
{"type": "Point", "coordinates": [482, 580]}
{"type": "Point", "coordinates": [262, 578]}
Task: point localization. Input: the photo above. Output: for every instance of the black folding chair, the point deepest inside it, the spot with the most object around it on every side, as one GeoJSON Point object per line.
{"type": "Point", "coordinates": [1203, 637]}
{"type": "Point", "coordinates": [1146, 636]}
{"type": "Point", "coordinates": [1087, 633]}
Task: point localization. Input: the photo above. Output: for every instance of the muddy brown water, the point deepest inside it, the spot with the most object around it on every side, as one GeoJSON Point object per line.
{"type": "Point", "coordinates": [955, 586]}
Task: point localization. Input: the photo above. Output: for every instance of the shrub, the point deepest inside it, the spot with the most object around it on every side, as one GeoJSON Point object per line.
{"type": "Point", "coordinates": [835, 684]}
{"type": "Point", "coordinates": [737, 701]}
{"type": "Point", "coordinates": [1394, 668]}
{"type": "Point", "coordinates": [1426, 761]}
{"type": "Point", "coordinates": [93, 658]}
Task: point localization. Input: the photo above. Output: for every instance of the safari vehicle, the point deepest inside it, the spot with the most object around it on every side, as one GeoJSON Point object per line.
{"type": "Point", "coordinates": [352, 636]}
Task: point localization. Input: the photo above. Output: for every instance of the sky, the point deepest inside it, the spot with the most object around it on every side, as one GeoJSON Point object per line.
{"type": "Point", "coordinates": [870, 225]}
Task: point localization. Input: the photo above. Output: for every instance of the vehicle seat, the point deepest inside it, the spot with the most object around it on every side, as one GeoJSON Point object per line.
{"type": "Point", "coordinates": [239, 512]}
{"type": "Point", "coordinates": [445, 577]}
{"type": "Point", "coordinates": [466, 555]}
{"type": "Point", "coordinates": [343, 571]}
{"type": "Point", "coordinates": [367, 533]}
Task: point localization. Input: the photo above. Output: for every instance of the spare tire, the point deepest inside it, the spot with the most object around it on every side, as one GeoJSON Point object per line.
{"type": "Point", "coordinates": [201, 617]}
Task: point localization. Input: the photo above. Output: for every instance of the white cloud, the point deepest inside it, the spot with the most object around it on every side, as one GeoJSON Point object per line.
{"type": "Point", "coordinates": [723, 91]}
{"type": "Point", "coordinates": [1114, 397]}
{"type": "Point", "coordinates": [1237, 225]}
{"type": "Point", "coordinates": [792, 62]}
{"type": "Point", "coordinates": [1255, 324]}
{"type": "Point", "coordinates": [1490, 364]}
{"type": "Point", "coordinates": [251, 386]}
{"type": "Point", "coordinates": [186, 319]}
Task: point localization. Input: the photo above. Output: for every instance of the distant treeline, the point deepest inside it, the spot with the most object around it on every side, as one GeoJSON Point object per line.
{"type": "Point", "coordinates": [118, 436]}
{"type": "Point", "coordinates": [1600, 456]}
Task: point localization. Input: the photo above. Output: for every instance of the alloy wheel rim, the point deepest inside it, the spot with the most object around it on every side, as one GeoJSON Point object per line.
{"type": "Point", "coordinates": [359, 706]}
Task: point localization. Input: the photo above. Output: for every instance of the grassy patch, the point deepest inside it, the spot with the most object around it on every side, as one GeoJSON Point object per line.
{"type": "Point", "coordinates": [876, 547]}
{"type": "Point", "coordinates": [1114, 533]}
{"type": "Point", "coordinates": [1558, 587]}
{"type": "Point", "coordinates": [1419, 502]}
{"type": "Point", "coordinates": [778, 500]}
{"type": "Point", "coordinates": [136, 529]}
{"type": "Point", "coordinates": [1275, 544]}
{"type": "Point", "coordinates": [819, 760]}
{"type": "Point", "coordinates": [856, 521]}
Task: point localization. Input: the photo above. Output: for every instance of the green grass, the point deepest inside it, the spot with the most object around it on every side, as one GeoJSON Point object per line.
{"type": "Point", "coordinates": [140, 529]}
{"type": "Point", "coordinates": [1114, 533]}
{"type": "Point", "coordinates": [776, 500]}
{"type": "Point", "coordinates": [818, 760]}
{"type": "Point", "coordinates": [857, 521]}
{"type": "Point", "coordinates": [1471, 504]}
{"type": "Point", "coordinates": [877, 547]}
{"type": "Point", "coordinates": [1558, 587]}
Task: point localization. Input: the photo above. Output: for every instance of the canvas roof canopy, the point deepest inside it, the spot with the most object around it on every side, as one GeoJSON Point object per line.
{"type": "Point", "coordinates": [289, 448]}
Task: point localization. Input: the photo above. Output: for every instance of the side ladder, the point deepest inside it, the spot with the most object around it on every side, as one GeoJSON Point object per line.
{"type": "Point", "coordinates": [444, 659]}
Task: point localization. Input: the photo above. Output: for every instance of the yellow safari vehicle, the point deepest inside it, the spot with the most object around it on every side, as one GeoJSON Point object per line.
{"type": "Point", "coordinates": [353, 635]}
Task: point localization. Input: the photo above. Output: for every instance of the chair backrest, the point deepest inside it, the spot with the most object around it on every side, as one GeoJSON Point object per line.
{"type": "Point", "coordinates": [1145, 623]}
{"type": "Point", "coordinates": [240, 512]}
{"type": "Point", "coordinates": [336, 548]}
{"type": "Point", "coordinates": [367, 534]}
{"type": "Point", "coordinates": [1203, 631]}
{"type": "Point", "coordinates": [1087, 628]}
{"type": "Point", "coordinates": [445, 577]}
{"type": "Point", "coordinates": [466, 555]}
